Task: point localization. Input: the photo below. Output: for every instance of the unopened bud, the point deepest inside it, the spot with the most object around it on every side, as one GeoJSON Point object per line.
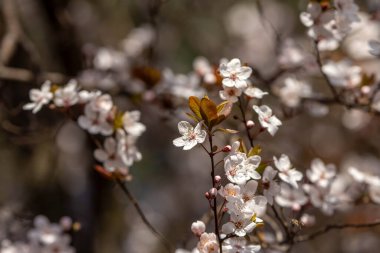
{"type": "Point", "coordinates": [250, 124]}
{"type": "Point", "coordinates": [198, 228]}
{"type": "Point", "coordinates": [213, 192]}
{"type": "Point", "coordinates": [226, 148]}
{"type": "Point", "coordinates": [207, 195]}
{"type": "Point", "coordinates": [217, 179]}
{"type": "Point", "coordinates": [366, 90]}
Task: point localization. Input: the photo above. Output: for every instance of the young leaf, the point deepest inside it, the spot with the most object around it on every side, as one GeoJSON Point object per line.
{"type": "Point", "coordinates": [194, 105]}
{"type": "Point", "coordinates": [208, 111]}
{"type": "Point", "coordinates": [256, 150]}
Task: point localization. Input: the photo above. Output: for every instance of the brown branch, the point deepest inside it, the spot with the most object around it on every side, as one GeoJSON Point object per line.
{"type": "Point", "coordinates": [214, 206]}
{"type": "Point", "coordinates": [320, 65]}
{"type": "Point", "coordinates": [333, 227]}
{"type": "Point", "coordinates": [241, 107]}
{"type": "Point", "coordinates": [163, 240]}
{"type": "Point", "coordinates": [25, 75]}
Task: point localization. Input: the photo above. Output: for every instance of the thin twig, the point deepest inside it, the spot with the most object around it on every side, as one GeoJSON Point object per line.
{"type": "Point", "coordinates": [245, 121]}
{"type": "Point", "coordinates": [333, 227]}
{"type": "Point", "coordinates": [163, 240]}
{"type": "Point", "coordinates": [214, 207]}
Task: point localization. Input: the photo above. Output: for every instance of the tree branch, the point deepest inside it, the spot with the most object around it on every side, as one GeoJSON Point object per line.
{"type": "Point", "coordinates": [333, 227]}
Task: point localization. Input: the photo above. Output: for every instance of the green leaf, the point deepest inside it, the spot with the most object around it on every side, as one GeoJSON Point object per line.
{"type": "Point", "coordinates": [256, 150]}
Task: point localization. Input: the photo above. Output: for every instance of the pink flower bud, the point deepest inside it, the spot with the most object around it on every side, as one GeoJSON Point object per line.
{"type": "Point", "coordinates": [213, 192]}
{"type": "Point", "coordinates": [366, 89]}
{"type": "Point", "coordinates": [217, 179]}
{"type": "Point", "coordinates": [207, 195]}
{"type": "Point", "coordinates": [226, 148]}
{"type": "Point", "coordinates": [198, 228]}
{"type": "Point", "coordinates": [250, 124]}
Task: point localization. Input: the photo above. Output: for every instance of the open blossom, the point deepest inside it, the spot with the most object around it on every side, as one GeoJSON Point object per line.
{"type": "Point", "coordinates": [109, 156]}
{"type": "Point", "coordinates": [317, 19]}
{"type": "Point", "coordinates": [321, 198]}
{"type": "Point", "coordinates": [291, 197]}
{"type": "Point", "coordinates": [346, 12]}
{"type": "Point", "coordinates": [67, 96]}
{"type": "Point", "coordinates": [239, 245]}
{"type": "Point", "coordinates": [229, 190]}
{"type": "Point", "coordinates": [254, 92]}
{"type": "Point", "coordinates": [270, 187]}
{"type": "Point", "coordinates": [203, 68]}
{"type": "Point", "coordinates": [126, 148]}
{"type": "Point", "coordinates": [48, 237]}
{"type": "Point", "coordinates": [98, 116]}
{"type": "Point", "coordinates": [208, 243]}
{"type": "Point", "coordinates": [321, 174]}
{"type": "Point", "coordinates": [267, 119]}
{"type": "Point", "coordinates": [190, 136]}
{"type": "Point", "coordinates": [230, 93]}
{"type": "Point", "coordinates": [374, 47]}
{"type": "Point", "coordinates": [287, 173]}
{"type": "Point", "coordinates": [239, 169]}
{"type": "Point", "coordinates": [343, 74]}
{"type": "Point", "coordinates": [293, 91]}
{"type": "Point", "coordinates": [39, 97]}
{"type": "Point", "coordinates": [234, 74]}
{"type": "Point", "coordinates": [131, 123]}
{"type": "Point", "coordinates": [240, 225]}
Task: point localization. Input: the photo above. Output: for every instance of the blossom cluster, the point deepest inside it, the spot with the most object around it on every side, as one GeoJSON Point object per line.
{"type": "Point", "coordinates": [99, 117]}
{"type": "Point", "coordinates": [44, 237]}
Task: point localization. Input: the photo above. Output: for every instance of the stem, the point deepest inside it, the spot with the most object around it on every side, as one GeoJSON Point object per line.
{"type": "Point", "coordinates": [320, 65]}
{"type": "Point", "coordinates": [162, 239]}
{"type": "Point", "coordinates": [214, 207]}
{"type": "Point", "coordinates": [333, 227]}
{"type": "Point", "coordinates": [241, 107]}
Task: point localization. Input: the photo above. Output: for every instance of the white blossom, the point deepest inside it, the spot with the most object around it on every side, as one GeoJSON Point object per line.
{"type": "Point", "coordinates": [239, 169]}
{"type": "Point", "coordinates": [270, 187]}
{"type": "Point", "coordinates": [291, 197]}
{"type": "Point", "coordinates": [287, 173]}
{"type": "Point", "coordinates": [239, 245]}
{"type": "Point", "coordinates": [208, 243]}
{"type": "Point", "coordinates": [67, 96]}
{"type": "Point", "coordinates": [109, 156]}
{"type": "Point", "coordinates": [234, 74]}
{"type": "Point", "coordinates": [131, 123]}
{"type": "Point", "coordinates": [39, 97]}
{"type": "Point", "coordinates": [254, 92]}
{"type": "Point", "coordinates": [230, 94]}
{"type": "Point", "coordinates": [343, 74]}
{"type": "Point", "coordinates": [293, 90]}
{"type": "Point", "coordinates": [190, 136]}
{"type": "Point", "coordinates": [267, 119]}
{"type": "Point", "coordinates": [240, 225]}
{"type": "Point", "coordinates": [321, 174]}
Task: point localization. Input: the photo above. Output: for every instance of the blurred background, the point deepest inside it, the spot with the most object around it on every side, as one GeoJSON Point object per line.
{"type": "Point", "coordinates": [46, 160]}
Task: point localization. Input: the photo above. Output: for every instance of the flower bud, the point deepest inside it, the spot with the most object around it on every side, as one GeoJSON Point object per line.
{"type": "Point", "coordinates": [213, 192]}
{"type": "Point", "coordinates": [307, 220]}
{"type": "Point", "coordinates": [217, 179]}
{"type": "Point", "coordinates": [198, 228]}
{"type": "Point", "coordinates": [207, 195]}
{"type": "Point", "coordinates": [250, 124]}
{"type": "Point", "coordinates": [365, 90]}
{"type": "Point", "coordinates": [226, 148]}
